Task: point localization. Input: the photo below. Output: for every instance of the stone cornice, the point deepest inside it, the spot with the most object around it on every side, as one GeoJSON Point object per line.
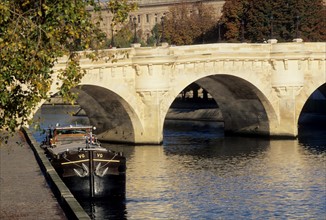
{"type": "Point", "coordinates": [211, 53]}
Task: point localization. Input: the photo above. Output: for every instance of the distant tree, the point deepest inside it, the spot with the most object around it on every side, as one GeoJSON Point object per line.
{"type": "Point", "coordinates": [187, 23]}
{"type": "Point", "coordinates": [119, 9]}
{"type": "Point", "coordinates": [233, 14]}
{"type": "Point", "coordinates": [177, 25]}
{"type": "Point", "coordinates": [283, 20]}
{"type": "Point", "coordinates": [155, 36]}
{"type": "Point", "coordinates": [123, 37]}
{"type": "Point", "coordinates": [312, 20]}
{"type": "Point", "coordinates": [203, 20]}
{"type": "Point", "coordinates": [259, 21]}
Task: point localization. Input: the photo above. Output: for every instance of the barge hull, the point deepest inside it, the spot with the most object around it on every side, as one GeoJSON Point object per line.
{"type": "Point", "coordinates": [107, 186]}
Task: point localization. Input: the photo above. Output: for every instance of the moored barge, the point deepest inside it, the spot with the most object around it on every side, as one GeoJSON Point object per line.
{"type": "Point", "coordinates": [87, 168]}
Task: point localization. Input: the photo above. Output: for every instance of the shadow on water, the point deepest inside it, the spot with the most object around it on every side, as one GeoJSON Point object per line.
{"type": "Point", "coordinates": [202, 138]}
{"type": "Point", "coordinates": [313, 138]}
{"type": "Point", "coordinates": [109, 208]}
{"type": "Point", "coordinates": [199, 173]}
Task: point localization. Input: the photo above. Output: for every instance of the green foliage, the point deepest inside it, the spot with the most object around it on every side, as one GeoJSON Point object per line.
{"type": "Point", "coordinates": [154, 38]}
{"type": "Point", "coordinates": [312, 20]}
{"type": "Point", "coordinates": [258, 22]}
{"type": "Point", "coordinates": [33, 35]}
{"type": "Point", "coordinates": [124, 37]}
{"type": "Point", "coordinates": [283, 20]}
{"type": "Point", "coordinates": [120, 10]}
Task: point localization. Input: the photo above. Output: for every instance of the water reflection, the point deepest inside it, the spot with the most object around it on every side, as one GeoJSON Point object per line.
{"type": "Point", "coordinates": [224, 178]}
{"type": "Point", "coordinates": [292, 179]}
{"type": "Point", "coordinates": [199, 174]}
{"type": "Point", "coordinates": [110, 208]}
{"type": "Point", "coordinates": [313, 138]}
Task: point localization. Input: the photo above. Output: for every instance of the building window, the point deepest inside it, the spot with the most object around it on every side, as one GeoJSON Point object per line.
{"type": "Point", "coordinates": [155, 18]}
{"type": "Point", "coordinates": [147, 18]}
{"type": "Point", "coordinates": [138, 18]}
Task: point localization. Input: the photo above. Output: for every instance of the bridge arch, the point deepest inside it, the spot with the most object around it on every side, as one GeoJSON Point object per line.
{"type": "Point", "coordinates": [244, 107]}
{"type": "Point", "coordinates": [313, 110]}
{"type": "Point", "coordinates": [114, 110]}
{"type": "Point", "coordinates": [114, 117]}
{"type": "Point", "coordinates": [306, 92]}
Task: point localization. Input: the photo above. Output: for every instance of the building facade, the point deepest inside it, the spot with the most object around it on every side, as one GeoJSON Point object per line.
{"type": "Point", "coordinates": [150, 13]}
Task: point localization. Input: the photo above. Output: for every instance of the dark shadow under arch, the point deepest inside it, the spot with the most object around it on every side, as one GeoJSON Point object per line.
{"type": "Point", "coordinates": [312, 120]}
{"type": "Point", "coordinates": [110, 113]}
{"type": "Point", "coordinates": [243, 107]}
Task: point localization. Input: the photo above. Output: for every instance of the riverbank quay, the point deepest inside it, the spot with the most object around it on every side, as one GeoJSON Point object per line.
{"type": "Point", "coordinates": [24, 192]}
{"type": "Point", "coordinates": [30, 188]}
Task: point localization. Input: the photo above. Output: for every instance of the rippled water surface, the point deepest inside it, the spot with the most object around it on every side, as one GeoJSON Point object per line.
{"type": "Point", "coordinates": [199, 174]}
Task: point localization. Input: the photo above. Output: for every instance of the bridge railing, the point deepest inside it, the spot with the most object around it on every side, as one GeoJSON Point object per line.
{"type": "Point", "coordinates": [240, 51]}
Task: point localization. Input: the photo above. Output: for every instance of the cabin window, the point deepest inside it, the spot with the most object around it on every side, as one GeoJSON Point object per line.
{"type": "Point", "coordinates": [68, 131]}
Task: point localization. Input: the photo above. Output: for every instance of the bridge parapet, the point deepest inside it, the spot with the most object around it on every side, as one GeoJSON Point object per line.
{"type": "Point", "coordinates": [152, 67]}
{"type": "Point", "coordinates": [207, 52]}
{"type": "Point", "coordinates": [292, 62]}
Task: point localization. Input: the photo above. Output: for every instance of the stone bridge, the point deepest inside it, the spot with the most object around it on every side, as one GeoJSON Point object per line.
{"type": "Point", "coordinates": [259, 88]}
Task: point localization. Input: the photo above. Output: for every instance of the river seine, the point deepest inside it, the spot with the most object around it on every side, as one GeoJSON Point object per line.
{"type": "Point", "coordinates": [199, 174]}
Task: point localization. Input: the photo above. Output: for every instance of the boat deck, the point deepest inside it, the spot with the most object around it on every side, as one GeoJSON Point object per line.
{"type": "Point", "coordinates": [69, 145]}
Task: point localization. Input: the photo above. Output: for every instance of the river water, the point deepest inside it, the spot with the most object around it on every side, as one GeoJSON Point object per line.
{"type": "Point", "coordinates": [199, 174]}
